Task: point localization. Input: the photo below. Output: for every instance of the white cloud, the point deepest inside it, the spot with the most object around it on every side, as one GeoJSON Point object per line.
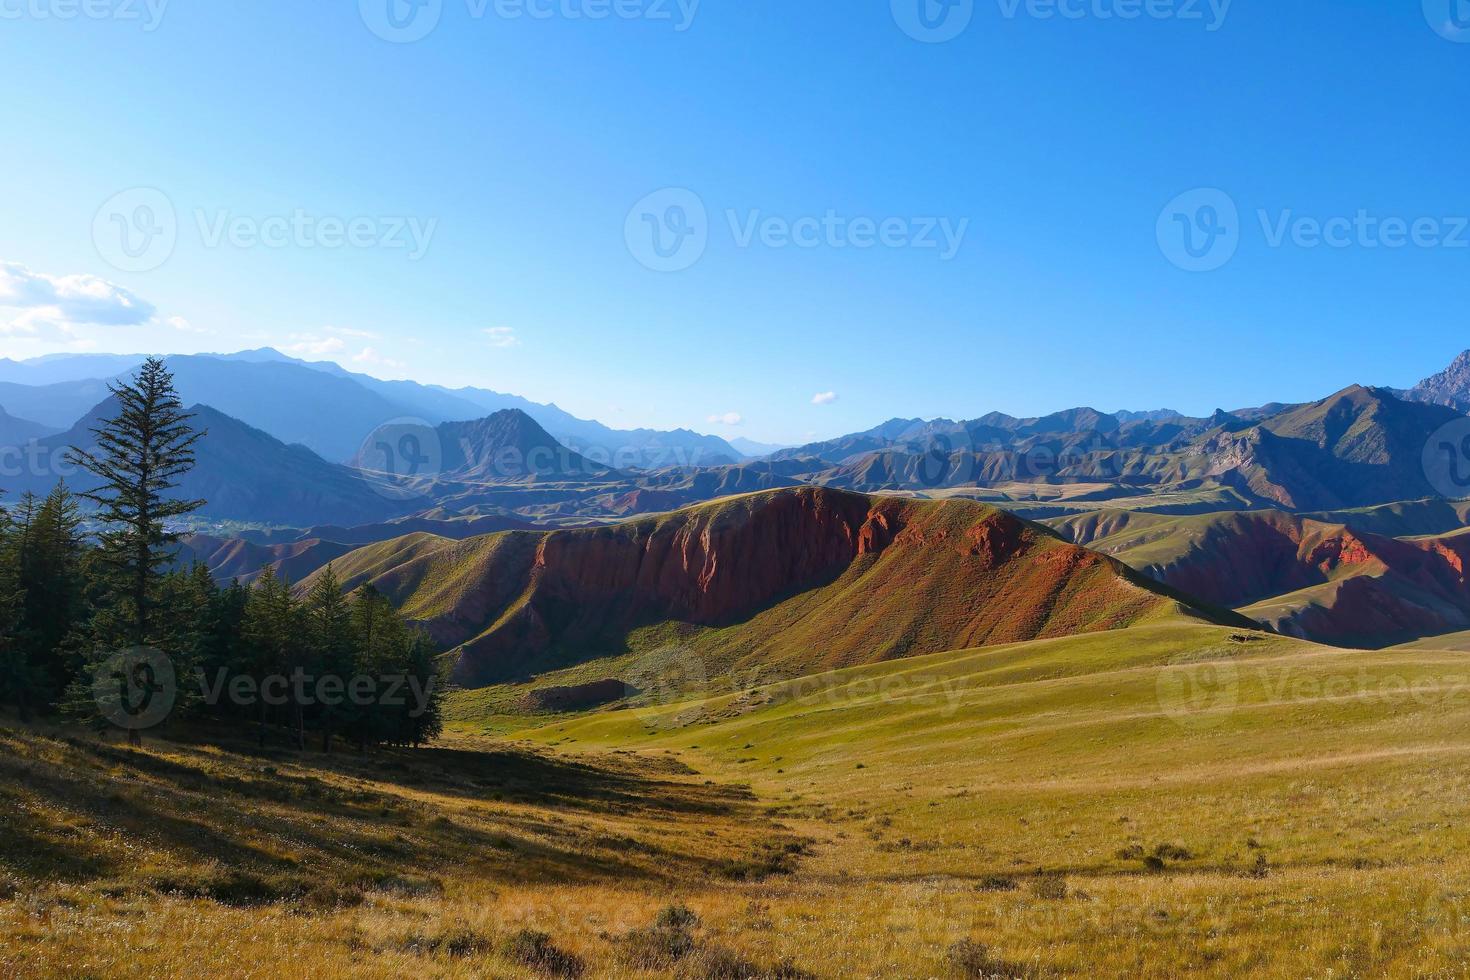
{"type": "Point", "coordinates": [351, 332]}
{"type": "Point", "coordinates": [183, 326]}
{"type": "Point", "coordinates": [726, 418]}
{"type": "Point", "coordinates": [824, 398]}
{"type": "Point", "coordinates": [370, 356]}
{"type": "Point", "coordinates": [502, 336]}
{"type": "Point", "coordinates": [55, 305]}
{"type": "Point", "coordinates": [316, 346]}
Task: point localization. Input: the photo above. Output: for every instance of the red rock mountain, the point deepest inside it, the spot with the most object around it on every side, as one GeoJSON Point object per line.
{"type": "Point", "coordinates": [803, 579]}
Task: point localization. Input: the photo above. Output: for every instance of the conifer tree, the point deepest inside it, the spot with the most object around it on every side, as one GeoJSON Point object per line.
{"type": "Point", "coordinates": [141, 454]}
{"type": "Point", "coordinates": [329, 628]}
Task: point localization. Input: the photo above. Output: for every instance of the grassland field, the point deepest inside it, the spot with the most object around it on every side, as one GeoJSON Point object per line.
{"type": "Point", "coordinates": [1167, 800]}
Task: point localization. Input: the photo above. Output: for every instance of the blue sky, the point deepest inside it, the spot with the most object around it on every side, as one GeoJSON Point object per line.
{"type": "Point", "coordinates": [1050, 147]}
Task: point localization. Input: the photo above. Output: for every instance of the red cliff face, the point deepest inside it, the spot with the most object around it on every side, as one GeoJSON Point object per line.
{"type": "Point", "coordinates": [708, 564]}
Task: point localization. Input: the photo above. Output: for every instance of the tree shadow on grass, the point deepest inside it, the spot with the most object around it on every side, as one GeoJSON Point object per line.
{"type": "Point", "coordinates": [81, 810]}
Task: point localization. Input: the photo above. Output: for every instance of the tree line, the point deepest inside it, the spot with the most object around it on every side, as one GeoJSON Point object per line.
{"type": "Point", "coordinates": [78, 607]}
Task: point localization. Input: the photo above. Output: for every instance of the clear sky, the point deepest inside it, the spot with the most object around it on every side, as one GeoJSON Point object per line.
{"type": "Point", "coordinates": [518, 154]}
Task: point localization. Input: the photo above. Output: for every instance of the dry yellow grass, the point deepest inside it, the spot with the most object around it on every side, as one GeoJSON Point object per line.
{"type": "Point", "coordinates": [1160, 802]}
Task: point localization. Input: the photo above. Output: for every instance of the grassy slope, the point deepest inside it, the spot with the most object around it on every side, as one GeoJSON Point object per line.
{"type": "Point", "coordinates": [1312, 808]}
{"type": "Point", "coordinates": [1061, 755]}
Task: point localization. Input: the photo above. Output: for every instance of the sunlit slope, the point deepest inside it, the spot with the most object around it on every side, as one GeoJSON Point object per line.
{"type": "Point", "coordinates": [1034, 753]}
{"type": "Point", "coordinates": [797, 580]}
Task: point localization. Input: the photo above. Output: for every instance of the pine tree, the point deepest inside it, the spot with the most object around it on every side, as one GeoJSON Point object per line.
{"type": "Point", "coordinates": [54, 607]}
{"type": "Point", "coordinates": [18, 682]}
{"type": "Point", "coordinates": [274, 633]}
{"type": "Point", "coordinates": [329, 628]}
{"type": "Point", "coordinates": [141, 454]}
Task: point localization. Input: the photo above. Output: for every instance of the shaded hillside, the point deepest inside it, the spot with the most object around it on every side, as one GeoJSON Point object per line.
{"type": "Point", "coordinates": [237, 559]}
{"type": "Point", "coordinates": [801, 579]}
{"type": "Point", "coordinates": [505, 447]}
{"type": "Point", "coordinates": [242, 473]}
{"type": "Point", "coordinates": [18, 432]}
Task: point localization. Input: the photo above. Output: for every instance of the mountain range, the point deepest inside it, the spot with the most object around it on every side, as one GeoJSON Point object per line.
{"type": "Point", "coordinates": [1320, 519]}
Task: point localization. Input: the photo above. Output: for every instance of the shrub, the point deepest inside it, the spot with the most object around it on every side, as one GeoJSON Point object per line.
{"type": "Point", "coordinates": [972, 959]}
{"type": "Point", "coordinates": [535, 951]}
{"type": "Point", "coordinates": [656, 949]}
{"type": "Point", "coordinates": [996, 883]}
{"type": "Point", "coordinates": [718, 963]}
{"type": "Point", "coordinates": [676, 917]}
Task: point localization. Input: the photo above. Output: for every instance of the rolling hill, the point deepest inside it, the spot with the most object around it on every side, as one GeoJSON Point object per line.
{"type": "Point", "coordinates": [789, 580]}
{"type": "Point", "coordinates": [1325, 581]}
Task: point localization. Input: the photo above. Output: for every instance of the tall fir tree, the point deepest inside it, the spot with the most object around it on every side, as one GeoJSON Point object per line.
{"type": "Point", "coordinates": [141, 454]}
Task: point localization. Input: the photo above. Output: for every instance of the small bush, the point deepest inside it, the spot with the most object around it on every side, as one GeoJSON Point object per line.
{"type": "Point", "coordinates": [972, 959]}
{"type": "Point", "coordinates": [463, 943]}
{"type": "Point", "coordinates": [996, 883]}
{"type": "Point", "coordinates": [655, 949]}
{"type": "Point", "coordinates": [535, 951]}
{"type": "Point", "coordinates": [718, 963]}
{"type": "Point", "coordinates": [676, 917]}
